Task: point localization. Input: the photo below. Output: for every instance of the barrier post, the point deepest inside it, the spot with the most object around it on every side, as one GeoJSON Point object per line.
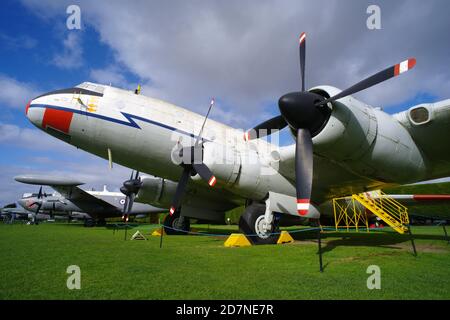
{"type": "Point", "coordinates": [412, 241]}
{"type": "Point", "coordinates": [445, 232]}
{"type": "Point", "coordinates": [320, 248]}
{"type": "Point", "coordinates": [161, 237]}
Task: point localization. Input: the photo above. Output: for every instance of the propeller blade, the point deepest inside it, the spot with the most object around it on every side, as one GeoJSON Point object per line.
{"type": "Point", "coordinates": [206, 174]}
{"type": "Point", "coordinates": [262, 129]}
{"type": "Point", "coordinates": [181, 188]}
{"type": "Point", "coordinates": [125, 205]}
{"type": "Point", "coordinates": [40, 193]}
{"type": "Point", "coordinates": [302, 53]}
{"type": "Point", "coordinates": [130, 203]}
{"type": "Point", "coordinates": [381, 76]}
{"type": "Point", "coordinates": [303, 170]}
{"type": "Point", "coordinates": [37, 212]}
{"type": "Point", "coordinates": [137, 176]}
{"type": "Point", "coordinates": [199, 137]}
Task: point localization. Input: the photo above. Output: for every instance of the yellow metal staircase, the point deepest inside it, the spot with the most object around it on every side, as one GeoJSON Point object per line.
{"type": "Point", "coordinates": [377, 202]}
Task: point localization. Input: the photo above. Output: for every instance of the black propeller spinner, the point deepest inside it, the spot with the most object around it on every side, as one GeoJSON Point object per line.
{"type": "Point", "coordinates": [305, 114]}
{"type": "Point", "coordinates": [192, 163]}
{"type": "Point", "coordinates": [130, 189]}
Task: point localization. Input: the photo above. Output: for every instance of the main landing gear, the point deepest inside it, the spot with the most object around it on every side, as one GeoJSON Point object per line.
{"type": "Point", "coordinates": [176, 223]}
{"type": "Point", "coordinates": [253, 224]}
{"type": "Point", "coordinates": [89, 223]}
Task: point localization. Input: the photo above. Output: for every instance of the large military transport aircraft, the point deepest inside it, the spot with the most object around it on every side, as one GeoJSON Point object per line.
{"type": "Point", "coordinates": [92, 206]}
{"type": "Point", "coordinates": [352, 147]}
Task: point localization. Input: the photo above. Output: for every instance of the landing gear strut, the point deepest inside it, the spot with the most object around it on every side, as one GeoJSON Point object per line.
{"type": "Point", "coordinates": [253, 224]}
{"type": "Point", "coordinates": [178, 222]}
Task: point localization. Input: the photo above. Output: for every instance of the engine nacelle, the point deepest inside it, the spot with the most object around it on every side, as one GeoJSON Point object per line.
{"type": "Point", "coordinates": [368, 142]}
{"type": "Point", "coordinates": [160, 192]}
{"type": "Point", "coordinates": [156, 191]}
{"type": "Point", "coordinates": [223, 160]}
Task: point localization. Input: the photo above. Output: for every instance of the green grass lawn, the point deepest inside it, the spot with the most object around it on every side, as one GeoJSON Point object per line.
{"type": "Point", "coordinates": [34, 260]}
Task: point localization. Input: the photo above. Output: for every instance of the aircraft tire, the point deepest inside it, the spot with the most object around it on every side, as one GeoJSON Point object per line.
{"type": "Point", "coordinates": [88, 223]}
{"type": "Point", "coordinates": [173, 222]}
{"type": "Point", "coordinates": [248, 224]}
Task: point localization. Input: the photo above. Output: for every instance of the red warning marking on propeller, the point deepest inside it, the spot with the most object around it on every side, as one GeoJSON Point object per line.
{"type": "Point", "coordinates": [404, 66]}
{"type": "Point", "coordinates": [212, 181]}
{"type": "Point", "coordinates": [172, 210]}
{"type": "Point", "coordinates": [302, 38]}
{"type": "Point", "coordinates": [302, 206]}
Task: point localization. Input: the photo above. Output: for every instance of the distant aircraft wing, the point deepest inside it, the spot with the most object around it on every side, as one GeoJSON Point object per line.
{"type": "Point", "coordinates": [68, 188]}
{"type": "Point", "coordinates": [422, 199]}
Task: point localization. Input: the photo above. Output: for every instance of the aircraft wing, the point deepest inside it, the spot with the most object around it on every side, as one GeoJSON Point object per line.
{"type": "Point", "coordinates": [425, 205]}
{"type": "Point", "coordinates": [68, 188]}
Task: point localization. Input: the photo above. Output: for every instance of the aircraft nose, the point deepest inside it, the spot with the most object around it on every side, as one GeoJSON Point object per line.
{"type": "Point", "coordinates": [35, 115]}
{"type": "Point", "coordinates": [22, 203]}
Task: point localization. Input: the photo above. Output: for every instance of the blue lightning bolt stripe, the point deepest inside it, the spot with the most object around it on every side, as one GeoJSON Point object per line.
{"type": "Point", "coordinates": [130, 118]}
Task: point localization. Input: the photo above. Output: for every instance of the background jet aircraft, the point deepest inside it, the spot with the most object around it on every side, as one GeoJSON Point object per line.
{"type": "Point", "coordinates": [12, 212]}
{"type": "Point", "coordinates": [342, 146]}
{"type": "Point", "coordinates": [73, 201]}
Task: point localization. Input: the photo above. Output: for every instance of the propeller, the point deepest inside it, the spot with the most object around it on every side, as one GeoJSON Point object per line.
{"type": "Point", "coordinates": [305, 113]}
{"type": "Point", "coordinates": [130, 189]}
{"type": "Point", "coordinates": [39, 203]}
{"type": "Point", "coordinates": [192, 163]}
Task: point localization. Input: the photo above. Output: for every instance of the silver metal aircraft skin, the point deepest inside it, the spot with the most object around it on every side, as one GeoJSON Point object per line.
{"type": "Point", "coordinates": [76, 202]}
{"type": "Point", "coordinates": [12, 212]}
{"type": "Point", "coordinates": [360, 148]}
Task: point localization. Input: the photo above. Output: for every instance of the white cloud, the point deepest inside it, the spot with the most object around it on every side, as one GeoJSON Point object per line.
{"type": "Point", "coordinates": [110, 75]}
{"type": "Point", "coordinates": [17, 41]}
{"type": "Point", "coordinates": [15, 94]}
{"type": "Point", "coordinates": [34, 139]}
{"type": "Point", "coordinates": [71, 56]}
{"type": "Point", "coordinates": [246, 53]}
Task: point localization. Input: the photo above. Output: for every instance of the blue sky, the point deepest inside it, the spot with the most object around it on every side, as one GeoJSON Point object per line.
{"type": "Point", "coordinates": [185, 55]}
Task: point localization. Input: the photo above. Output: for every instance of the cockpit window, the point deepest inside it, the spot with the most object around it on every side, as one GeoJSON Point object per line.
{"type": "Point", "coordinates": [94, 90]}
{"type": "Point", "coordinates": [29, 195]}
{"type": "Point", "coordinates": [91, 87]}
